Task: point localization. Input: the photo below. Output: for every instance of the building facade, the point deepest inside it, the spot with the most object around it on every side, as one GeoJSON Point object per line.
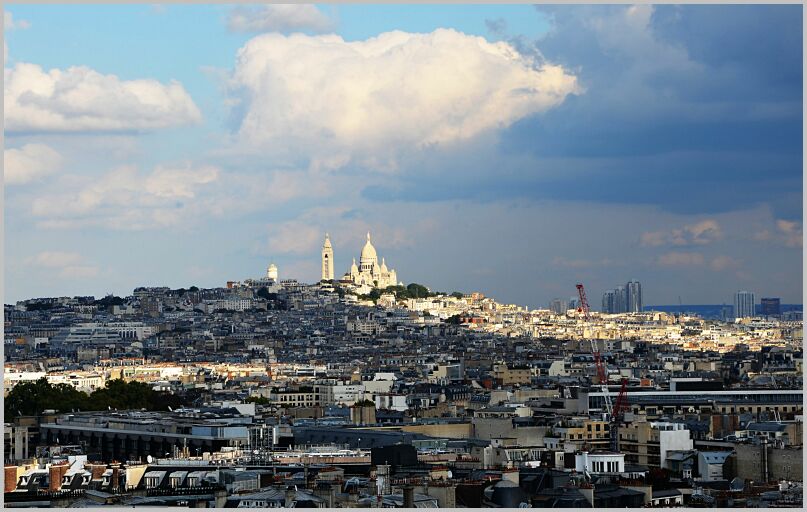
{"type": "Point", "coordinates": [634, 296]}
{"type": "Point", "coordinates": [769, 306]}
{"type": "Point", "coordinates": [744, 304]}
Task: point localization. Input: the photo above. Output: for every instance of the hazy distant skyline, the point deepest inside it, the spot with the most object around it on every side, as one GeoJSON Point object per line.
{"type": "Point", "coordinates": [514, 150]}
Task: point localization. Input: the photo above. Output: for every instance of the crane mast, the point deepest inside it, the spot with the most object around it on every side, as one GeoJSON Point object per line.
{"type": "Point", "coordinates": [601, 375]}
{"type": "Point", "coordinates": [615, 412]}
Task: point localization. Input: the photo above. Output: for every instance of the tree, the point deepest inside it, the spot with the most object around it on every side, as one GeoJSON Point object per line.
{"type": "Point", "coordinates": [454, 320]}
{"type": "Point", "coordinates": [260, 400]}
{"type": "Point", "coordinates": [37, 306]}
{"type": "Point", "coordinates": [417, 291]}
{"type": "Point", "coordinates": [457, 295]}
{"type": "Point", "coordinates": [109, 300]}
{"type": "Point", "coordinates": [32, 398]}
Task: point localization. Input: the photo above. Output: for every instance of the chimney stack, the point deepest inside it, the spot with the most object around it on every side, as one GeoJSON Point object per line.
{"type": "Point", "coordinates": [10, 478]}
{"type": "Point", "coordinates": [408, 496]}
{"type": "Point", "coordinates": [56, 472]}
{"type": "Point", "coordinates": [115, 477]}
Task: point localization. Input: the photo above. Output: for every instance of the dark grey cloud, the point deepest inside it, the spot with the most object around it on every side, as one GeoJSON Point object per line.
{"type": "Point", "coordinates": [696, 109]}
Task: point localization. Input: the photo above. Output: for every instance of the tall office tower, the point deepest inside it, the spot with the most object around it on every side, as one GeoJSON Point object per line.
{"type": "Point", "coordinates": [327, 259]}
{"type": "Point", "coordinates": [769, 306]}
{"type": "Point", "coordinates": [558, 306]}
{"type": "Point", "coordinates": [608, 302]}
{"type": "Point", "coordinates": [743, 304]}
{"type": "Point", "coordinates": [620, 299]}
{"type": "Point", "coordinates": [634, 291]}
{"type": "Point", "coordinates": [574, 303]}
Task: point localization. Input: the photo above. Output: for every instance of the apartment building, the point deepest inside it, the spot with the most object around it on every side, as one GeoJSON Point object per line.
{"type": "Point", "coordinates": [647, 443]}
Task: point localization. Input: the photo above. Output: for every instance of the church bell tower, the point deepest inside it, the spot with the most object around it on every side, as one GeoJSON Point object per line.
{"type": "Point", "coordinates": [327, 259]}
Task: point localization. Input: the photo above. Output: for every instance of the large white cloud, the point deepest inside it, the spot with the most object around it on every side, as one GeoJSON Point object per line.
{"type": "Point", "coordinates": [81, 99]}
{"type": "Point", "coordinates": [279, 18]}
{"type": "Point", "coordinates": [29, 162]}
{"type": "Point", "coordinates": [394, 91]}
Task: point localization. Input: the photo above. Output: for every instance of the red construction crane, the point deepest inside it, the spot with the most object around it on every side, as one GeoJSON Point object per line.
{"type": "Point", "coordinates": [618, 414]}
{"type": "Point", "coordinates": [615, 413]}
{"type": "Point", "coordinates": [583, 308]}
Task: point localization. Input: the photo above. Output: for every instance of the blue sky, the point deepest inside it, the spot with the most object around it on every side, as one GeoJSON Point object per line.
{"type": "Point", "coordinates": [509, 149]}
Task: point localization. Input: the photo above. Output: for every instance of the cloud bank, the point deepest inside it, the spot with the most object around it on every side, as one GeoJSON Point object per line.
{"type": "Point", "coordinates": [397, 90]}
{"type": "Point", "coordinates": [79, 99]}
{"type": "Point", "coordinates": [279, 18]}
{"type": "Point", "coordinates": [29, 163]}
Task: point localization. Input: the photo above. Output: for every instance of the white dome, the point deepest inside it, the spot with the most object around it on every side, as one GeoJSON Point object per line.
{"type": "Point", "coordinates": [368, 253]}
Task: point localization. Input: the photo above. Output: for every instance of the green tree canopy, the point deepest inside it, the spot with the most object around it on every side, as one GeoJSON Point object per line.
{"type": "Point", "coordinates": [32, 398]}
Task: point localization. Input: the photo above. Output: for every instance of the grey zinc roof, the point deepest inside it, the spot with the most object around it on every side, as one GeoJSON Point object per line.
{"type": "Point", "coordinates": [767, 426]}
{"type": "Point", "coordinates": [666, 493]}
{"type": "Point", "coordinates": [715, 457]}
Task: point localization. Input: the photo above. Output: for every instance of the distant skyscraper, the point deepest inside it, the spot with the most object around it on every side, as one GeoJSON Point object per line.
{"type": "Point", "coordinates": [609, 302]}
{"type": "Point", "coordinates": [634, 292]}
{"type": "Point", "coordinates": [327, 259]}
{"type": "Point", "coordinates": [770, 306]}
{"type": "Point", "coordinates": [620, 299]}
{"type": "Point", "coordinates": [744, 304]}
{"type": "Point", "coordinates": [558, 306]}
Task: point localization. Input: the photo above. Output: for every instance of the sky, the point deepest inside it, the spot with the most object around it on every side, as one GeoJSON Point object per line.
{"type": "Point", "coordinates": [514, 150]}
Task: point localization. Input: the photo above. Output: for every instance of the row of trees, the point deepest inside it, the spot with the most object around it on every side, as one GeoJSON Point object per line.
{"type": "Point", "coordinates": [410, 291]}
{"type": "Point", "coordinates": [32, 398]}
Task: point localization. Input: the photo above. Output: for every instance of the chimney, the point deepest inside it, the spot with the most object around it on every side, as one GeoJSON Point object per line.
{"type": "Point", "coordinates": [56, 472]}
{"type": "Point", "coordinates": [97, 471]}
{"type": "Point", "coordinates": [765, 474]}
{"type": "Point", "coordinates": [115, 477]}
{"type": "Point", "coordinates": [10, 478]}
{"type": "Point", "coordinates": [408, 496]}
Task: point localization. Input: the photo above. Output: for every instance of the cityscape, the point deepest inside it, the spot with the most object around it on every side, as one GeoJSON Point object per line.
{"type": "Point", "coordinates": [270, 392]}
{"type": "Point", "coordinates": [388, 256]}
